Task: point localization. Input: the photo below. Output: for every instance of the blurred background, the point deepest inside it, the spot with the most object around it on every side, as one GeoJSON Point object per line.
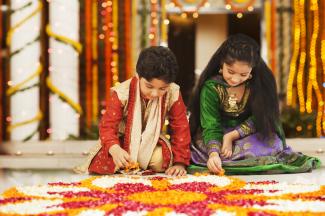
{"type": "Point", "coordinates": [59, 58]}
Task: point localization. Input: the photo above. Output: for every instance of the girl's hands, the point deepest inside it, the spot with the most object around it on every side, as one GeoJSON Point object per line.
{"type": "Point", "coordinates": [228, 139]}
{"type": "Point", "coordinates": [176, 170]}
{"type": "Point", "coordinates": [214, 163]}
{"type": "Point", "coordinates": [226, 149]}
{"type": "Point", "coordinates": [120, 157]}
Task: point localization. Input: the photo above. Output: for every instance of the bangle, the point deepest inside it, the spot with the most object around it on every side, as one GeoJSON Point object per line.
{"type": "Point", "coordinates": [213, 154]}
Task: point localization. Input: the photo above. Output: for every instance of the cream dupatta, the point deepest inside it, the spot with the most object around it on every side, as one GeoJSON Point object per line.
{"type": "Point", "coordinates": [143, 143]}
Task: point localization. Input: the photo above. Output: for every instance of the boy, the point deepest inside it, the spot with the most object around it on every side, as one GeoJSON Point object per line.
{"type": "Point", "coordinates": [131, 129]}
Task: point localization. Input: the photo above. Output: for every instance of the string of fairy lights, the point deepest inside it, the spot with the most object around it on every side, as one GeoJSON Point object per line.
{"type": "Point", "coordinates": [240, 6]}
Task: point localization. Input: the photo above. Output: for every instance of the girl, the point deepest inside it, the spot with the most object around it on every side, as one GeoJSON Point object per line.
{"type": "Point", "coordinates": [235, 115]}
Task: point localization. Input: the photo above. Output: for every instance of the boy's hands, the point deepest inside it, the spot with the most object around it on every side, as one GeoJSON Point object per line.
{"type": "Point", "coordinates": [176, 170]}
{"type": "Point", "coordinates": [120, 157]}
{"type": "Point", "coordinates": [214, 163]}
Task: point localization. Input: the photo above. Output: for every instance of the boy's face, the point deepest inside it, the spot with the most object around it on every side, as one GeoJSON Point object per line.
{"type": "Point", "coordinates": [153, 89]}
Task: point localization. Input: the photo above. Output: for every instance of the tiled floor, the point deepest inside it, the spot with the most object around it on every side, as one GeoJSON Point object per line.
{"type": "Point", "coordinates": [9, 178]}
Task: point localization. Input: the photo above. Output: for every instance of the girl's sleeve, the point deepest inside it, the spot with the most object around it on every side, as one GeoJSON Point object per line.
{"type": "Point", "coordinates": [180, 132]}
{"type": "Point", "coordinates": [212, 132]}
{"type": "Point", "coordinates": [109, 125]}
{"type": "Point", "coordinates": [247, 127]}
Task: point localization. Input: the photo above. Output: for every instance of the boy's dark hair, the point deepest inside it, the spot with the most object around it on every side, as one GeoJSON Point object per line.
{"type": "Point", "coordinates": [157, 62]}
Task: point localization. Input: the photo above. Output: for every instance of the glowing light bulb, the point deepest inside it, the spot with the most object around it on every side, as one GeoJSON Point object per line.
{"type": "Point", "coordinates": [195, 15]}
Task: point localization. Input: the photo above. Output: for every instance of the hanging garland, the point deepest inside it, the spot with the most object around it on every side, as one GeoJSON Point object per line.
{"type": "Point", "coordinates": [89, 61]}
{"type": "Point", "coordinates": [302, 57]}
{"type": "Point", "coordinates": [313, 68]}
{"type": "Point", "coordinates": [1, 78]}
{"type": "Point", "coordinates": [128, 38]}
{"type": "Point", "coordinates": [143, 20]}
{"type": "Point", "coordinates": [115, 46]}
{"type": "Point", "coordinates": [312, 89]}
{"type": "Point", "coordinates": [163, 24]}
{"type": "Point", "coordinates": [109, 38]}
{"type": "Point", "coordinates": [94, 65]}
{"type": "Point", "coordinates": [322, 14]}
{"type": "Point", "coordinates": [295, 55]}
{"type": "Point", "coordinates": [267, 17]}
{"type": "Point", "coordinates": [111, 45]}
{"type": "Point", "coordinates": [286, 12]}
{"type": "Point", "coordinates": [134, 34]}
{"type": "Point", "coordinates": [153, 22]}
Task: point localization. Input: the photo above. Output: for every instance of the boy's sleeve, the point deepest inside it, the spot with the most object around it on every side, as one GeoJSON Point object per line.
{"type": "Point", "coordinates": [212, 132]}
{"type": "Point", "coordinates": [109, 125]}
{"type": "Point", "coordinates": [180, 132]}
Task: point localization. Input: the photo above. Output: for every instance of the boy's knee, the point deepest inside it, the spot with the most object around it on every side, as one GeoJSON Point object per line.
{"type": "Point", "coordinates": [156, 161]}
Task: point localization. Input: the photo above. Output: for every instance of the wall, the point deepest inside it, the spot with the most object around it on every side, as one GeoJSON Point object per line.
{"type": "Point", "coordinates": [211, 31]}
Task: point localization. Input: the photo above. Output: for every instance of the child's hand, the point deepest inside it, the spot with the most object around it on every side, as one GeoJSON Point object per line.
{"type": "Point", "coordinates": [228, 139]}
{"type": "Point", "coordinates": [214, 163]}
{"type": "Point", "coordinates": [176, 170]}
{"type": "Point", "coordinates": [120, 157]}
{"type": "Point", "coordinates": [226, 149]}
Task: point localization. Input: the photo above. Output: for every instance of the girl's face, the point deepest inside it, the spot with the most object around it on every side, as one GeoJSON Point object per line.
{"type": "Point", "coordinates": [236, 73]}
{"type": "Point", "coordinates": [153, 89]}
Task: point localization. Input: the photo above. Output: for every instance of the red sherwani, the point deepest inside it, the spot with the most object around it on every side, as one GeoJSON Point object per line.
{"type": "Point", "coordinates": [119, 112]}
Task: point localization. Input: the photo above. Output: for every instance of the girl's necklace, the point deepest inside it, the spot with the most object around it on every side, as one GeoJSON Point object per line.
{"type": "Point", "coordinates": [232, 101]}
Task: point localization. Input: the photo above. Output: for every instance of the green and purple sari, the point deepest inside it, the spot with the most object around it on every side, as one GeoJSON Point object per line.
{"type": "Point", "coordinates": [251, 154]}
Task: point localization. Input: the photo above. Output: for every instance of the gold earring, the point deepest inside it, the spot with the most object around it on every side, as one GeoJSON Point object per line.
{"type": "Point", "coordinates": [250, 76]}
{"type": "Point", "coordinates": [220, 71]}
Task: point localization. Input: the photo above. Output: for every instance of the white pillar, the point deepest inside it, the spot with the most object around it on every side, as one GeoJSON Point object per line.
{"type": "Point", "coordinates": [24, 105]}
{"type": "Point", "coordinates": [64, 68]}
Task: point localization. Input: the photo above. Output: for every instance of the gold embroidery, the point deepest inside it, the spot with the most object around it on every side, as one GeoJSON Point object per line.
{"type": "Point", "coordinates": [245, 128]}
{"type": "Point", "coordinates": [232, 101]}
{"type": "Point", "coordinates": [214, 146]}
{"type": "Point", "coordinates": [247, 146]}
{"type": "Point", "coordinates": [229, 103]}
{"type": "Point", "coordinates": [236, 150]}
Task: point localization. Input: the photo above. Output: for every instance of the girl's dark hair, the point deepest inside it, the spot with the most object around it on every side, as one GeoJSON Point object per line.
{"type": "Point", "coordinates": [263, 100]}
{"type": "Point", "coordinates": [157, 62]}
